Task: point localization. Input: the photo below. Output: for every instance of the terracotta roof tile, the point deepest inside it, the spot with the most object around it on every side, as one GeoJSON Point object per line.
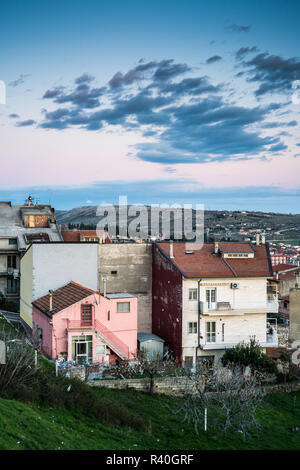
{"type": "Point", "coordinates": [283, 267]}
{"type": "Point", "coordinates": [62, 298]}
{"type": "Point", "coordinates": [74, 235]}
{"type": "Point", "coordinates": [204, 263]}
{"type": "Point", "coordinates": [227, 247]}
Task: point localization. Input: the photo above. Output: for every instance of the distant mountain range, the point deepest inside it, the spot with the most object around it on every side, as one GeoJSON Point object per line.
{"type": "Point", "coordinates": [227, 224]}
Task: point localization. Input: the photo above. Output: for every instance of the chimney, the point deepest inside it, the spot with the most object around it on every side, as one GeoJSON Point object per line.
{"type": "Point", "coordinates": [171, 249]}
{"type": "Point", "coordinates": [263, 239]}
{"type": "Point", "coordinates": [216, 247]}
{"type": "Point", "coordinates": [50, 300]}
{"type": "Point", "coordinates": [52, 220]}
{"type": "Point", "coordinates": [257, 239]}
{"type": "Point", "coordinates": [104, 287]}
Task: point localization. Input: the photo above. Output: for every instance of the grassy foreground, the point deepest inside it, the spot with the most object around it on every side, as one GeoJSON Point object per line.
{"type": "Point", "coordinates": [30, 426]}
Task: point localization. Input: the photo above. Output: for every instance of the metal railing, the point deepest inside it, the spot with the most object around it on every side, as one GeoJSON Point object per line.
{"type": "Point", "coordinates": [108, 337]}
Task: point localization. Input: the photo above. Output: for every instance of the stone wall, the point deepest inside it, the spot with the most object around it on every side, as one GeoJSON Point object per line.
{"type": "Point", "coordinates": [175, 386]}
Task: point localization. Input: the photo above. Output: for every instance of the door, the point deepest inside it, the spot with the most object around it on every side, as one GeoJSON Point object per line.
{"type": "Point", "coordinates": [211, 298]}
{"type": "Point", "coordinates": [31, 221]}
{"type": "Point", "coordinates": [81, 351]}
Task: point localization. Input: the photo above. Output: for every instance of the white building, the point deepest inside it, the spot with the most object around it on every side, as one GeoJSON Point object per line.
{"type": "Point", "coordinates": [19, 227]}
{"type": "Point", "coordinates": [218, 298]}
{"type": "Point", "coordinates": [47, 266]}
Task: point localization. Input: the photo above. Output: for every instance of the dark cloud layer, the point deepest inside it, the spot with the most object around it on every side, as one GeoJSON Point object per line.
{"type": "Point", "coordinates": [237, 28]}
{"type": "Point", "coordinates": [29, 122]}
{"type": "Point", "coordinates": [214, 59]}
{"type": "Point", "coordinates": [190, 118]}
{"type": "Point", "coordinates": [273, 73]}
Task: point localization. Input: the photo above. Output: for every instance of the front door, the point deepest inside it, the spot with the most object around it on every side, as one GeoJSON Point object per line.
{"type": "Point", "coordinates": [81, 351]}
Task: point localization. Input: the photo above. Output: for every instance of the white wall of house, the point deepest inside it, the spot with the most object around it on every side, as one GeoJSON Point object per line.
{"type": "Point", "coordinates": [51, 265]}
{"type": "Point", "coordinates": [246, 317]}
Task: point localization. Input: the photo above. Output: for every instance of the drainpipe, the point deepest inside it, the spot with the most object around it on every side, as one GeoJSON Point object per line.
{"type": "Point", "coordinates": [199, 313]}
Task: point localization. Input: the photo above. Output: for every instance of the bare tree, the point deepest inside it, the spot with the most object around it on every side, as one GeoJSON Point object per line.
{"type": "Point", "coordinates": [226, 397]}
{"type": "Point", "coordinates": [19, 368]}
{"type": "Point", "coordinates": [144, 366]}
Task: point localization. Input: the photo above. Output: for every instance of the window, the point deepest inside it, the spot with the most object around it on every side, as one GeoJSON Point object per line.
{"type": "Point", "coordinates": [123, 307]}
{"type": "Point", "coordinates": [31, 221]}
{"type": "Point", "coordinates": [108, 315]}
{"type": "Point", "coordinates": [223, 331]}
{"type": "Point", "coordinates": [12, 261]}
{"type": "Point", "coordinates": [11, 286]}
{"type": "Point", "coordinates": [211, 296]}
{"type": "Point", "coordinates": [100, 349]}
{"type": "Point", "coordinates": [211, 332]}
{"type": "Point", "coordinates": [12, 241]}
{"type": "Point", "coordinates": [193, 294]}
{"type": "Point", "coordinates": [113, 273]}
{"type": "Point", "coordinates": [192, 328]}
{"type": "Point", "coordinates": [86, 314]}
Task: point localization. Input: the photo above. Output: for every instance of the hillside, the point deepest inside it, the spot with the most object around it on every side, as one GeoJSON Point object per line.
{"type": "Point", "coordinates": [229, 225]}
{"type": "Point", "coordinates": [29, 426]}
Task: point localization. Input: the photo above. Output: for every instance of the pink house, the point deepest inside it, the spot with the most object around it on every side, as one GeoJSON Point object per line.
{"type": "Point", "coordinates": [84, 326]}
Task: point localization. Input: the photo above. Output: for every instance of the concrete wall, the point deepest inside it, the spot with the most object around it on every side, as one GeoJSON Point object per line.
{"type": "Point", "coordinates": [133, 263]}
{"type": "Point", "coordinates": [294, 328]}
{"type": "Point", "coordinates": [26, 286]}
{"type": "Point", "coordinates": [54, 265]}
{"type": "Point", "coordinates": [286, 285]}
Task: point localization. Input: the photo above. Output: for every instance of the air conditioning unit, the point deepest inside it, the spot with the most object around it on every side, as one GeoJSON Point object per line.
{"type": "Point", "coordinates": [234, 285]}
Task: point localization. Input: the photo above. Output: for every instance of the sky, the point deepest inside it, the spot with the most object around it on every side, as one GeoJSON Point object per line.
{"type": "Point", "coordinates": [165, 102]}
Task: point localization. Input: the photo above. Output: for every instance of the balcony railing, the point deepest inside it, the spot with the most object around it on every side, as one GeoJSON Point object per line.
{"type": "Point", "coordinates": [226, 308]}
{"type": "Point", "coordinates": [230, 341]}
{"type": "Point", "coordinates": [108, 337]}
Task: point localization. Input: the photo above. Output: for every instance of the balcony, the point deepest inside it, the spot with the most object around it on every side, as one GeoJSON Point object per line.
{"type": "Point", "coordinates": [226, 308]}
{"type": "Point", "coordinates": [216, 341]}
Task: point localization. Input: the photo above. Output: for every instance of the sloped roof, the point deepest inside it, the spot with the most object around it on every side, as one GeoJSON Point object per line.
{"type": "Point", "coordinates": [62, 298]}
{"type": "Point", "coordinates": [204, 263]}
{"type": "Point", "coordinates": [284, 267]}
{"type": "Point", "coordinates": [74, 235]}
{"type": "Point", "coordinates": [227, 247]}
{"type": "Point", "coordinates": [149, 337]}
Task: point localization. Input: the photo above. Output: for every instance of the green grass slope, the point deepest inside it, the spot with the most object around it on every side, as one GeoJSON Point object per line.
{"type": "Point", "coordinates": [30, 426]}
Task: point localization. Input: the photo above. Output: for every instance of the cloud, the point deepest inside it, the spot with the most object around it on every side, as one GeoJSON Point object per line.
{"type": "Point", "coordinates": [19, 81]}
{"type": "Point", "coordinates": [237, 28]}
{"type": "Point", "coordinates": [84, 78]}
{"type": "Point", "coordinates": [245, 50]}
{"type": "Point", "coordinates": [189, 119]}
{"type": "Point", "coordinates": [273, 125]}
{"type": "Point", "coordinates": [83, 95]}
{"type": "Point", "coordinates": [273, 73]}
{"type": "Point", "coordinates": [29, 122]}
{"type": "Point", "coordinates": [214, 59]}
{"type": "Point", "coordinates": [158, 71]}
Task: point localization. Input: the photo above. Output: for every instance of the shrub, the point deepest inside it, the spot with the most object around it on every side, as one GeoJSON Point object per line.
{"type": "Point", "coordinates": [250, 355]}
